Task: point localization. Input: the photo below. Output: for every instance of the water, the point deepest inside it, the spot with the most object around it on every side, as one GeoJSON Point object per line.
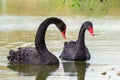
{"type": "Point", "coordinates": [16, 31]}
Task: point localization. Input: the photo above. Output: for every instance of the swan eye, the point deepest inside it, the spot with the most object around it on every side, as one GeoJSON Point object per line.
{"type": "Point", "coordinates": [90, 29]}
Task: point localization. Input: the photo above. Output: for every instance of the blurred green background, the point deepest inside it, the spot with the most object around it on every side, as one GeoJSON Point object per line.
{"type": "Point", "coordinates": [60, 7]}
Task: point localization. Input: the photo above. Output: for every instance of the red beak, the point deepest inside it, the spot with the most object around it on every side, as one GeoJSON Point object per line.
{"type": "Point", "coordinates": [64, 33]}
{"type": "Point", "coordinates": [91, 31]}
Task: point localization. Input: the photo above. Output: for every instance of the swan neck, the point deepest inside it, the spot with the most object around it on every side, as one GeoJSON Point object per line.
{"type": "Point", "coordinates": [81, 37]}
{"type": "Point", "coordinates": [40, 35]}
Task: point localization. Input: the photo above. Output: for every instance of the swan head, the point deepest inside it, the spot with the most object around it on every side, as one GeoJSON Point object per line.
{"type": "Point", "coordinates": [89, 26]}
{"type": "Point", "coordinates": [64, 33]}
{"type": "Point", "coordinates": [62, 27]}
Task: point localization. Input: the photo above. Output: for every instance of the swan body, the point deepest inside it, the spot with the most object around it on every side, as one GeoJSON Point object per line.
{"type": "Point", "coordinates": [40, 54]}
{"type": "Point", "coordinates": [77, 50]}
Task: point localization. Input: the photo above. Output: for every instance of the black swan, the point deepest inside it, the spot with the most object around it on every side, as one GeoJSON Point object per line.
{"type": "Point", "coordinates": [40, 54]}
{"type": "Point", "coordinates": [77, 50]}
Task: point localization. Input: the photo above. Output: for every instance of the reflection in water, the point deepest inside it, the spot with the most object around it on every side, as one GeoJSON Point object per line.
{"type": "Point", "coordinates": [40, 71]}
{"type": "Point", "coordinates": [70, 68]}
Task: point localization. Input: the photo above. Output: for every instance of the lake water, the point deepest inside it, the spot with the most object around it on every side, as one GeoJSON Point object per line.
{"type": "Point", "coordinates": [16, 31]}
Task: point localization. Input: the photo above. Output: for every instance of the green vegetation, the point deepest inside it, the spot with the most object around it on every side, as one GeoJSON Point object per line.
{"type": "Point", "coordinates": [61, 7]}
{"type": "Point", "coordinates": [90, 7]}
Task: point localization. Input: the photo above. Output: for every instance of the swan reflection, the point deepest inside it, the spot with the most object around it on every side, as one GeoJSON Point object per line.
{"type": "Point", "coordinates": [40, 71]}
{"type": "Point", "coordinates": [75, 69]}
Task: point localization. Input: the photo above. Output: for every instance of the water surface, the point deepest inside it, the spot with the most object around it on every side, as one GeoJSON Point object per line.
{"type": "Point", "coordinates": [19, 31]}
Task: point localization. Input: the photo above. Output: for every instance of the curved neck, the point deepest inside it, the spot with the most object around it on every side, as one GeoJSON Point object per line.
{"type": "Point", "coordinates": [81, 37]}
{"type": "Point", "coordinates": [40, 35]}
